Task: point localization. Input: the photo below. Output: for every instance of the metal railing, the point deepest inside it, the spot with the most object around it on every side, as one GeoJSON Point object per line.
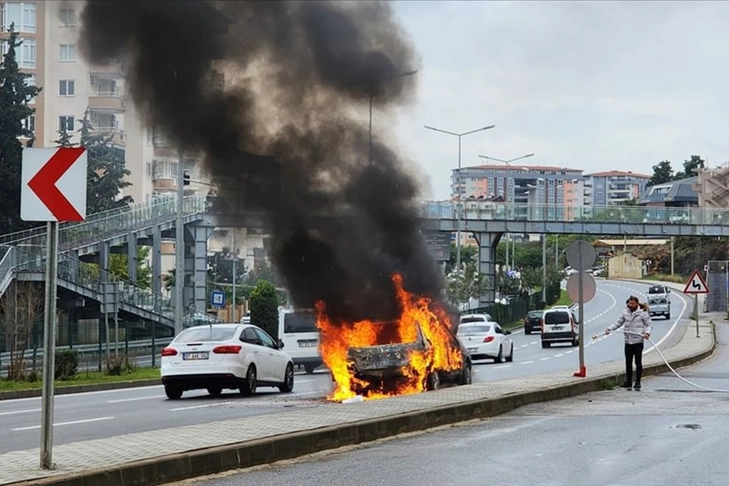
{"type": "Point", "coordinates": [487, 210]}
{"type": "Point", "coordinates": [7, 264]}
{"type": "Point", "coordinates": [91, 278]}
{"type": "Point", "coordinates": [107, 223]}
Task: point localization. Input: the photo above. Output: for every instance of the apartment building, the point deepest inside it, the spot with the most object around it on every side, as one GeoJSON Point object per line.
{"type": "Point", "coordinates": [614, 187]}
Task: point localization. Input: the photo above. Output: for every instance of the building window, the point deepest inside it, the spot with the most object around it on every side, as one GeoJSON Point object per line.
{"type": "Point", "coordinates": [24, 54]}
{"type": "Point", "coordinates": [67, 87]}
{"type": "Point", "coordinates": [68, 53]}
{"type": "Point", "coordinates": [65, 123]}
{"type": "Point", "coordinates": [29, 123]}
{"type": "Point", "coordinates": [68, 17]}
{"type": "Point", "coordinates": [22, 14]}
{"type": "Point", "coordinates": [30, 81]}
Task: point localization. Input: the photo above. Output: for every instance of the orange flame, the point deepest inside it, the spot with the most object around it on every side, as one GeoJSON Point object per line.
{"type": "Point", "coordinates": [337, 339]}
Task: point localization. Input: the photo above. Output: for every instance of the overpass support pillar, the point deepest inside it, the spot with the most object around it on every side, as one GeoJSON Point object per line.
{"type": "Point", "coordinates": [104, 255]}
{"type": "Point", "coordinates": [156, 263]}
{"type": "Point", "coordinates": [132, 257]}
{"type": "Point", "coordinates": [196, 267]}
{"type": "Point", "coordinates": [487, 265]}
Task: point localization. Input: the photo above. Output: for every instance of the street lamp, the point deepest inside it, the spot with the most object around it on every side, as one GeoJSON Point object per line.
{"type": "Point", "coordinates": [372, 96]}
{"type": "Point", "coordinates": [458, 209]}
{"type": "Point", "coordinates": [508, 235]}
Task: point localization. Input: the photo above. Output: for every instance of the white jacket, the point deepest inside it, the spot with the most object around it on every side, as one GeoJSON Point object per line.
{"type": "Point", "coordinates": [635, 322]}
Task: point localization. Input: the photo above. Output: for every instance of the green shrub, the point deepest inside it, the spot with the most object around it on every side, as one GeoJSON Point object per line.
{"type": "Point", "coordinates": [118, 365]}
{"type": "Point", "coordinates": [66, 364]}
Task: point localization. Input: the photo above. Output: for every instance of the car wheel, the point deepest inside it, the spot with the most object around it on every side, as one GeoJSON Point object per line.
{"type": "Point", "coordinates": [173, 392]}
{"type": "Point", "coordinates": [498, 357]}
{"type": "Point", "coordinates": [433, 382]}
{"type": "Point", "coordinates": [288, 384]}
{"type": "Point", "coordinates": [510, 358]}
{"type": "Point", "coordinates": [668, 316]}
{"type": "Point", "coordinates": [248, 387]}
{"type": "Point", "coordinates": [545, 344]}
{"type": "Point", "coordinates": [215, 391]}
{"type": "Point", "coordinates": [309, 369]}
{"type": "Point", "coordinates": [527, 331]}
{"type": "Point", "coordinates": [467, 374]}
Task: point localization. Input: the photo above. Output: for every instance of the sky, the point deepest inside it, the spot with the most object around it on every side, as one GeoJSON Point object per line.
{"type": "Point", "coordinates": [586, 85]}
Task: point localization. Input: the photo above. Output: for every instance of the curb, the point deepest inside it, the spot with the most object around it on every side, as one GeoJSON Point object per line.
{"type": "Point", "coordinates": [212, 460]}
{"type": "Point", "coordinates": [67, 390]}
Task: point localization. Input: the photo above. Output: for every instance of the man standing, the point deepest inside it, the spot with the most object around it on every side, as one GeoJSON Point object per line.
{"type": "Point", "coordinates": [638, 326]}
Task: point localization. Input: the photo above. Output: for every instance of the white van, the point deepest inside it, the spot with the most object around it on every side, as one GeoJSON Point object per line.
{"type": "Point", "coordinates": [559, 325]}
{"type": "Point", "coordinates": [298, 332]}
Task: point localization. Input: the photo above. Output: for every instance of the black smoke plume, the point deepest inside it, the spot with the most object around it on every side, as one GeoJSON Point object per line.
{"type": "Point", "coordinates": [275, 96]}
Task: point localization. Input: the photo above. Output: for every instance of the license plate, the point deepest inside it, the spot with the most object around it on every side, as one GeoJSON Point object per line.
{"type": "Point", "coordinates": [307, 344]}
{"type": "Point", "coordinates": [472, 350]}
{"type": "Point", "coordinates": [557, 328]}
{"type": "Point", "coordinates": [194, 356]}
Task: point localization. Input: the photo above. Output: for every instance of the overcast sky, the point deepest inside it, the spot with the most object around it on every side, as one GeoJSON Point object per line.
{"type": "Point", "coordinates": [587, 85]}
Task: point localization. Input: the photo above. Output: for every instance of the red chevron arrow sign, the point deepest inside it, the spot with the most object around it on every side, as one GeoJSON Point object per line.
{"type": "Point", "coordinates": [53, 184]}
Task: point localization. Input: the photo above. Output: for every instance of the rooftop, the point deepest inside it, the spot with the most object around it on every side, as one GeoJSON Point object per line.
{"type": "Point", "coordinates": [521, 167]}
{"type": "Point", "coordinates": [618, 173]}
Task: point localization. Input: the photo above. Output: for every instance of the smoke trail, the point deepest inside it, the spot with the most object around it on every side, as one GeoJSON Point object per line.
{"type": "Point", "coordinates": [286, 132]}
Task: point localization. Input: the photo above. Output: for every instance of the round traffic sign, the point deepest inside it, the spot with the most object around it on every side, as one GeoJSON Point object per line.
{"type": "Point", "coordinates": [589, 287]}
{"type": "Point", "coordinates": [580, 255]}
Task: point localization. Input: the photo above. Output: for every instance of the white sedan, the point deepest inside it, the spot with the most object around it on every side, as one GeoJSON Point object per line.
{"type": "Point", "coordinates": [225, 356]}
{"type": "Point", "coordinates": [486, 340]}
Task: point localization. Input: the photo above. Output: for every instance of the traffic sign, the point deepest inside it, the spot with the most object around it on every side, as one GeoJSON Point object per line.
{"type": "Point", "coordinates": [217, 298]}
{"type": "Point", "coordinates": [589, 287]}
{"type": "Point", "coordinates": [696, 284]}
{"type": "Point", "coordinates": [53, 184]}
{"type": "Point", "coordinates": [580, 255]}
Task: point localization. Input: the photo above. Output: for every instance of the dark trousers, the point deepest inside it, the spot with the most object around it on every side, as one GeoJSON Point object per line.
{"type": "Point", "coordinates": [633, 351]}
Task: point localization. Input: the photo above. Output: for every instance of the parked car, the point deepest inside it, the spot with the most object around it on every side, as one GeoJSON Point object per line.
{"type": "Point", "coordinates": [225, 356]}
{"type": "Point", "coordinates": [386, 364]}
{"type": "Point", "coordinates": [659, 306]}
{"type": "Point", "coordinates": [487, 341]}
{"type": "Point", "coordinates": [559, 325]}
{"type": "Point", "coordinates": [533, 321]}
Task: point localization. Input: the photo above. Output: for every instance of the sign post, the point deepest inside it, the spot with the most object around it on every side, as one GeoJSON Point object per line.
{"type": "Point", "coordinates": [49, 191]}
{"type": "Point", "coordinates": [695, 286]}
{"type": "Point", "coordinates": [581, 256]}
{"type": "Point", "coordinates": [217, 299]}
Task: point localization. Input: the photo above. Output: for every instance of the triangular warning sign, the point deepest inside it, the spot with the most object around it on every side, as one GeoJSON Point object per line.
{"type": "Point", "coordinates": [696, 284]}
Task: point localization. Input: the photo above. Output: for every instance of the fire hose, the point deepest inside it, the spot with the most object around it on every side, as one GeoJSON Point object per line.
{"type": "Point", "coordinates": [665, 361]}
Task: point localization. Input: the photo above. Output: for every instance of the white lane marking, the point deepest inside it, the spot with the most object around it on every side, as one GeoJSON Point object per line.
{"type": "Point", "coordinates": [502, 367]}
{"type": "Point", "coordinates": [545, 359]}
{"type": "Point", "coordinates": [526, 362]}
{"type": "Point", "coordinates": [559, 355]}
{"type": "Point", "coordinates": [304, 381]}
{"type": "Point", "coordinates": [208, 405]}
{"type": "Point", "coordinates": [568, 352]}
{"type": "Point", "coordinates": [134, 399]}
{"type": "Point", "coordinates": [77, 395]}
{"type": "Point", "coordinates": [534, 342]}
{"type": "Point", "coordinates": [524, 346]}
{"type": "Point", "coordinates": [65, 423]}
{"type": "Point", "coordinates": [21, 411]}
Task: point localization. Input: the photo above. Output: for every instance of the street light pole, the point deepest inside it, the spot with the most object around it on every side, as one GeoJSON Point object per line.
{"type": "Point", "coordinates": [508, 236]}
{"type": "Point", "coordinates": [458, 194]}
{"type": "Point", "coordinates": [179, 246]}
{"type": "Point", "coordinates": [372, 97]}
{"type": "Point", "coordinates": [544, 267]}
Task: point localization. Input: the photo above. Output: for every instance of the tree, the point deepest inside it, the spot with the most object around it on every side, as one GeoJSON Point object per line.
{"type": "Point", "coordinates": [119, 267]}
{"type": "Point", "coordinates": [19, 308]}
{"type": "Point", "coordinates": [264, 308]}
{"type": "Point", "coordinates": [14, 115]}
{"type": "Point", "coordinates": [466, 285]}
{"type": "Point", "coordinates": [468, 255]}
{"type": "Point", "coordinates": [106, 171]}
{"type": "Point", "coordinates": [168, 279]}
{"type": "Point", "coordinates": [662, 173]}
{"type": "Point", "coordinates": [689, 166]}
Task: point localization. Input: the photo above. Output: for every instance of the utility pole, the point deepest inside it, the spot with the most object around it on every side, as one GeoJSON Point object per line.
{"type": "Point", "coordinates": [235, 259]}
{"type": "Point", "coordinates": [179, 246]}
{"type": "Point", "coordinates": [544, 268]}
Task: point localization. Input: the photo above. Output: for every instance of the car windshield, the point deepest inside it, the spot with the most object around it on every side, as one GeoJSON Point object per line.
{"type": "Point", "coordinates": [474, 329]}
{"type": "Point", "coordinates": [300, 322]}
{"type": "Point", "coordinates": [556, 318]}
{"type": "Point", "coordinates": [206, 334]}
{"type": "Point", "coordinates": [657, 301]}
{"type": "Point", "coordinates": [656, 290]}
{"type": "Point", "coordinates": [469, 319]}
{"type": "Point", "coordinates": [535, 314]}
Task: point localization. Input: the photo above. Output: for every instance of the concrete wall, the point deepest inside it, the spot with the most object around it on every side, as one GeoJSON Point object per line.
{"type": "Point", "coordinates": [625, 265]}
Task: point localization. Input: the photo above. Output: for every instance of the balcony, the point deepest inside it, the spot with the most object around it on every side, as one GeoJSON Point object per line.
{"type": "Point", "coordinates": [106, 101]}
{"type": "Point", "coordinates": [112, 70]}
{"type": "Point", "coordinates": [118, 137]}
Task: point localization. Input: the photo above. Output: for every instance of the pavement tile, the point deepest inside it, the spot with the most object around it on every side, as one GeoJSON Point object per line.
{"type": "Point", "coordinates": [24, 465]}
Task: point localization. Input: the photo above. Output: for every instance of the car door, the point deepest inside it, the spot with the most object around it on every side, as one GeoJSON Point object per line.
{"type": "Point", "coordinates": [277, 361]}
{"type": "Point", "coordinates": [255, 347]}
{"type": "Point", "coordinates": [504, 340]}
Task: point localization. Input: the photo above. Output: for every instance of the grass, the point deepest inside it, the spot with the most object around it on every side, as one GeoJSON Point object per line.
{"type": "Point", "coordinates": [666, 278]}
{"type": "Point", "coordinates": [564, 299]}
{"type": "Point", "coordinates": [83, 378]}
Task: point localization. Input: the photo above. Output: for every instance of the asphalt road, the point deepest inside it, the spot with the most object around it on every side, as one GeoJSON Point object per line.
{"type": "Point", "coordinates": [669, 433]}
{"type": "Point", "coordinates": [106, 414]}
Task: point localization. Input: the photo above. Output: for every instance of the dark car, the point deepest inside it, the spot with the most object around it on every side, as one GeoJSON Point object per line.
{"type": "Point", "coordinates": [385, 366]}
{"type": "Point", "coordinates": [533, 322]}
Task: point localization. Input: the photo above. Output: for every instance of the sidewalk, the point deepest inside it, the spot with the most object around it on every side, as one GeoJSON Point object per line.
{"type": "Point", "coordinates": [173, 454]}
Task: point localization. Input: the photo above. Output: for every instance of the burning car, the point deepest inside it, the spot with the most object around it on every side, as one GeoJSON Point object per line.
{"type": "Point", "coordinates": [410, 354]}
{"type": "Point", "coordinates": [388, 366]}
